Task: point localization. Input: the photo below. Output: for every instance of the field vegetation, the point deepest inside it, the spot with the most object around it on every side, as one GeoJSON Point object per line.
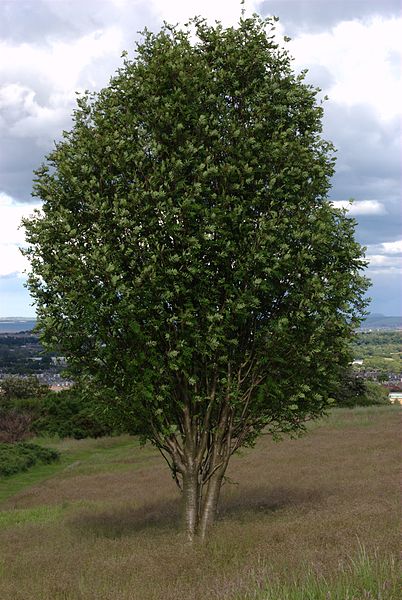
{"type": "Point", "coordinates": [381, 350]}
{"type": "Point", "coordinates": [312, 518]}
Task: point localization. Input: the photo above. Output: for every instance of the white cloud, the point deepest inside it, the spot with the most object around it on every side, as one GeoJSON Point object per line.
{"type": "Point", "coordinates": [390, 248]}
{"type": "Point", "coordinates": [393, 247]}
{"type": "Point", "coordinates": [361, 207]}
{"type": "Point", "coordinates": [385, 257]}
{"type": "Point", "coordinates": [362, 58]}
{"type": "Point", "coordinates": [60, 68]}
{"type": "Point", "coordinates": [59, 62]}
{"type": "Point", "coordinates": [24, 116]}
{"type": "Point", "coordinates": [383, 260]}
{"type": "Point", "coordinates": [11, 235]}
{"type": "Point", "coordinates": [178, 11]}
{"type": "Point", "coordinates": [11, 260]}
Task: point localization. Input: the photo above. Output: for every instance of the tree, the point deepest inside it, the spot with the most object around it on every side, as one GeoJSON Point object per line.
{"type": "Point", "coordinates": [20, 398]}
{"type": "Point", "coordinates": [352, 390]}
{"type": "Point", "coordinates": [186, 258]}
{"type": "Point", "coordinates": [73, 413]}
{"type": "Point", "coordinates": [375, 394]}
{"type": "Point", "coordinates": [15, 426]}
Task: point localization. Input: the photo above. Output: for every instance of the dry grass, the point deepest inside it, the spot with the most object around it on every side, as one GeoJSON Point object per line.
{"type": "Point", "coordinates": [311, 518]}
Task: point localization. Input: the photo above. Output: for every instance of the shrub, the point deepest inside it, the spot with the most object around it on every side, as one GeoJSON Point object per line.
{"type": "Point", "coordinates": [71, 414]}
{"type": "Point", "coordinates": [18, 457]}
{"type": "Point", "coordinates": [374, 394]}
{"type": "Point", "coordinates": [355, 391]}
{"type": "Point", "coordinates": [14, 387]}
{"type": "Point", "coordinates": [15, 426]}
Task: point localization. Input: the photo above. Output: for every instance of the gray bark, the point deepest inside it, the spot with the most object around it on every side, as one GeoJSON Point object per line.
{"type": "Point", "coordinates": [210, 504]}
{"type": "Point", "coordinates": [191, 492]}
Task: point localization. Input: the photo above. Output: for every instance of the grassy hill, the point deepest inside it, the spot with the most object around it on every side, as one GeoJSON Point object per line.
{"type": "Point", "coordinates": [309, 519]}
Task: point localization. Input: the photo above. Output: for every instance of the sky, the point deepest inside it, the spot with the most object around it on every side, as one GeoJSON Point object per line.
{"type": "Point", "coordinates": [51, 49]}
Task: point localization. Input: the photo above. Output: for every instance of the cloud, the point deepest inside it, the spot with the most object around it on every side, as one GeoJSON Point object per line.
{"type": "Point", "coordinates": [393, 247]}
{"type": "Point", "coordinates": [49, 49]}
{"type": "Point", "coordinates": [177, 11]}
{"type": "Point", "coordinates": [385, 258]}
{"type": "Point", "coordinates": [24, 117]}
{"type": "Point", "coordinates": [43, 21]}
{"type": "Point", "coordinates": [11, 260]}
{"type": "Point", "coordinates": [361, 207]}
{"type": "Point", "coordinates": [384, 262]}
{"type": "Point", "coordinates": [58, 65]}
{"type": "Point", "coordinates": [37, 97]}
{"type": "Point", "coordinates": [367, 167]}
{"type": "Point", "coordinates": [386, 291]}
{"type": "Point", "coordinates": [363, 115]}
{"type": "Point", "coordinates": [12, 235]}
{"type": "Point", "coordinates": [386, 248]}
{"type": "Point", "coordinates": [363, 59]}
{"type": "Point", "coordinates": [14, 297]}
{"type": "Point", "coordinates": [315, 15]}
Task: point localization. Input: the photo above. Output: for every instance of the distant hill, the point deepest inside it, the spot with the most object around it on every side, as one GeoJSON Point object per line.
{"type": "Point", "coordinates": [378, 321]}
{"type": "Point", "coordinates": [16, 324]}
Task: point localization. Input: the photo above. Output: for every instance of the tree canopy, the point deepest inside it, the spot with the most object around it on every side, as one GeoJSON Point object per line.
{"type": "Point", "coordinates": [186, 257]}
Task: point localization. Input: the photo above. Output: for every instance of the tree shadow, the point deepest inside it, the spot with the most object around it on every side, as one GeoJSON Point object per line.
{"type": "Point", "coordinates": [115, 523]}
{"type": "Point", "coordinates": [265, 500]}
{"type": "Point", "coordinates": [248, 503]}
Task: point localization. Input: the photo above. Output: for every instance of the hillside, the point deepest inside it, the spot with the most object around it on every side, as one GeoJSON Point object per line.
{"type": "Point", "coordinates": [315, 517]}
{"type": "Point", "coordinates": [378, 321]}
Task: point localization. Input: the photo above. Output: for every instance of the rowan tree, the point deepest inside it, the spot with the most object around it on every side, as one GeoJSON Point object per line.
{"type": "Point", "coordinates": [186, 257]}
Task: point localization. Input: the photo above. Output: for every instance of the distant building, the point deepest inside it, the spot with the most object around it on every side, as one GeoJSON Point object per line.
{"type": "Point", "coordinates": [61, 361]}
{"type": "Point", "coordinates": [395, 397]}
{"type": "Point", "coordinates": [61, 386]}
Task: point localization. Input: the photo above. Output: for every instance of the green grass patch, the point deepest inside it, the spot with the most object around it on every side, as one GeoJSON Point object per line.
{"type": "Point", "coordinates": [357, 416]}
{"type": "Point", "coordinates": [43, 514]}
{"type": "Point", "coordinates": [80, 457]}
{"type": "Point", "coordinates": [38, 514]}
{"type": "Point", "coordinates": [363, 577]}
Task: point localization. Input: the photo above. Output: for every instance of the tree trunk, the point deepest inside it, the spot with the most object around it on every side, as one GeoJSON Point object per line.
{"type": "Point", "coordinates": [210, 504]}
{"type": "Point", "coordinates": [191, 493]}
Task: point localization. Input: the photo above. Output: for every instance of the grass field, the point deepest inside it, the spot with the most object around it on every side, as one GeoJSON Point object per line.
{"type": "Point", "coordinates": [309, 519]}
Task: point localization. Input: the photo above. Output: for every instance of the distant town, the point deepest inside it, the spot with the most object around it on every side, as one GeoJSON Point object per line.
{"type": "Point", "coordinates": [22, 355]}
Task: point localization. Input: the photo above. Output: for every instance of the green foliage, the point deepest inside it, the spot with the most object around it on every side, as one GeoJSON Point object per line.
{"type": "Point", "coordinates": [70, 413]}
{"type": "Point", "coordinates": [18, 457]}
{"type": "Point", "coordinates": [353, 390]}
{"type": "Point", "coordinates": [186, 258]}
{"type": "Point", "coordinates": [21, 388]}
{"type": "Point", "coordinates": [379, 345]}
{"type": "Point", "coordinates": [374, 394]}
{"type": "Point", "coordinates": [367, 343]}
{"type": "Point", "coordinates": [380, 351]}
